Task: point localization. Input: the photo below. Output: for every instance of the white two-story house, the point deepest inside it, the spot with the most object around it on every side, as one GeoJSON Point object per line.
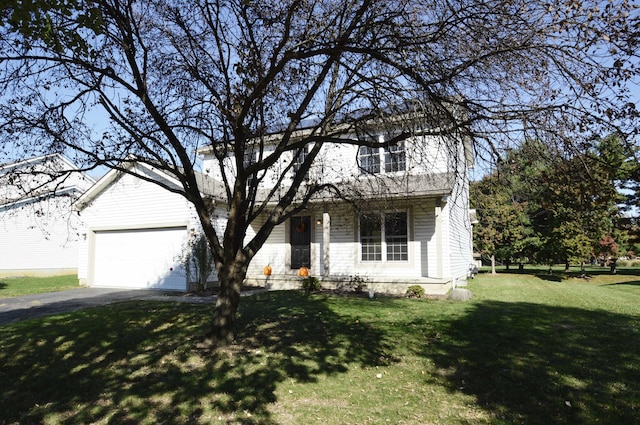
{"type": "Point", "coordinates": [395, 216]}
{"type": "Point", "coordinates": [402, 216]}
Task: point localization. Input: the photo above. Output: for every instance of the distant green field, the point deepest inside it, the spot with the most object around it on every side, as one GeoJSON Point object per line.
{"type": "Point", "coordinates": [17, 286]}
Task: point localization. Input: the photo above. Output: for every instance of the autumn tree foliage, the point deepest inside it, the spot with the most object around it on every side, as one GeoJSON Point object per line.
{"type": "Point", "coordinates": [570, 205]}
{"type": "Point", "coordinates": [103, 81]}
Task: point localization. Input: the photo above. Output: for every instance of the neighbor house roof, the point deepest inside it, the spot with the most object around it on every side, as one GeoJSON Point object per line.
{"type": "Point", "coordinates": [40, 177]}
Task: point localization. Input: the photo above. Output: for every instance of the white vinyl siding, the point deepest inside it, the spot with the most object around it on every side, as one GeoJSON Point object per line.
{"type": "Point", "coordinates": [426, 238]}
{"type": "Point", "coordinates": [337, 162]}
{"type": "Point", "coordinates": [39, 236]}
{"type": "Point", "coordinates": [461, 249]}
{"type": "Point", "coordinates": [344, 248]}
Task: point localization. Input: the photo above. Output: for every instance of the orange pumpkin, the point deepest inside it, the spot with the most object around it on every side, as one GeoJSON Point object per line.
{"type": "Point", "coordinates": [267, 270]}
{"type": "Point", "coordinates": [304, 272]}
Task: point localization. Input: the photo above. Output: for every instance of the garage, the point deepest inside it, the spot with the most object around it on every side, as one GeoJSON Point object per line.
{"type": "Point", "coordinates": [139, 258]}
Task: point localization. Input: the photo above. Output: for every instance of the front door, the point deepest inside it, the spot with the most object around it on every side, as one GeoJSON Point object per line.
{"type": "Point", "coordinates": [300, 238]}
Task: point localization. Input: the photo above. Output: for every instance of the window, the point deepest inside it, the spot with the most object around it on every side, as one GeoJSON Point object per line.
{"type": "Point", "coordinates": [371, 237]}
{"type": "Point", "coordinates": [384, 233]}
{"type": "Point", "coordinates": [249, 158]}
{"type": "Point", "coordinates": [395, 158]}
{"type": "Point", "coordinates": [299, 159]}
{"type": "Point", "coordinates": [369, 160]}
{"type": "Point", "coordinates": [395, 226]}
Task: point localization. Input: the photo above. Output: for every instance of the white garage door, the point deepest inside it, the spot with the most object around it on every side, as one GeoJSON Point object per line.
{"type": "Point", "coordinates": [140, 258]}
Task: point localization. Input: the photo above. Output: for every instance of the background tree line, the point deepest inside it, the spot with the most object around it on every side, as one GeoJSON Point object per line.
{"type": "Point", "coordinates": [546, 205]}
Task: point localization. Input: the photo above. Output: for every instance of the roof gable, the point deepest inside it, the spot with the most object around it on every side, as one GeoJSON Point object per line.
{"type": "Point", "coordinates": [41, 177]}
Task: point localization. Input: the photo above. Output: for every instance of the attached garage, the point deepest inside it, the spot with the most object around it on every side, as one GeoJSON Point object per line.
{"type": "Point", "coordinates": [139, 258]}
{"type": "Point", "coordinates": [134, 231]}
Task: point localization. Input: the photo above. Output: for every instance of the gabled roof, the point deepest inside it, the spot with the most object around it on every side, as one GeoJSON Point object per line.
{"type": "Point", "coordinates": [207, 185]}
{"type": "Point", "coordinates": [37, 178]}
{"type": "Point", "coordinates": [51, 158]}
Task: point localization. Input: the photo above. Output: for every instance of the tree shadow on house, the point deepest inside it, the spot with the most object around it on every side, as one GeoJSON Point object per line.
{"type": "Point", "coordinates": [145, 362]}
{"type": "Point", "coordinates": [535, 364]}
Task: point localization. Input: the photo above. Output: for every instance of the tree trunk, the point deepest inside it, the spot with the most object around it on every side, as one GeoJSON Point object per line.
{"type": "Point", "coordinates": [493, 264]}
{"type": "Point", "coordinates": [224, 314]}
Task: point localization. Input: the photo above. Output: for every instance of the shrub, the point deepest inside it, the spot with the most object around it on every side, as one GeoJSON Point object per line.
{"type": "Point", "coordinates": [311, 284]}
{"type": "Point", "coordinates": [199, 263]}
{"type": "Point", "coordinates": [415, 291]}
{"type": "Point", "coordinates": [357, 283]}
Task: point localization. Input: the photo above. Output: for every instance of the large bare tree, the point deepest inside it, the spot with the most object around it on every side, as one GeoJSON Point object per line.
{"type": "Point", "coordinates": [104, 81]}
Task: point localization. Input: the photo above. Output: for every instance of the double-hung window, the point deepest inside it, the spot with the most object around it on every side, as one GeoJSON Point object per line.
{"type": "Point", "coordinates": [396, 240]}
{"type": "Point", "coordinates": [395, 158]}
{"type": "Point", "coordinates": [369, 160]}
{"type": "Point", "coordinates": [299, 159]}
{"type": "Point", "coordinates": [249, 159]}
{"type": "Point", "coordinates": [371, 237]}
{"type": "Point", "coordinates": [384, 233]}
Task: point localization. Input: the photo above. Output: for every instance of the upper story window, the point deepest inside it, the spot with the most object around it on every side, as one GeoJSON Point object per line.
{"type": "Point", "coordinates": [370, 159]}
{"type": "Point", "coordinates": [299, 159]}
{"type": "Point", "coordinates": [395, 158]}
{"type": "Point", "coordinates": [248, 159]}
{"type": "Point", "coordinates": [384, 233]}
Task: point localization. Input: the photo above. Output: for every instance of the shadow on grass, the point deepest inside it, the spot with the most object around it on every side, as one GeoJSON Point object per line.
{"type": "Point", "coordinates": [145, 362]}
{"type": "Point", "coordinates": [549, 277]}
{"type": "Point", "coordinates": [559, 274]}
{"type": "Point", "coordinates": [631, 283]}
{"type": "Point", "coordinates": [535, 364]}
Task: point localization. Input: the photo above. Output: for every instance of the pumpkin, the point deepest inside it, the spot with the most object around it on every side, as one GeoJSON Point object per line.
{"type": "Point", "coordinates": [304, 272]}
{"type": "Point", "coordinates": [267, 270]}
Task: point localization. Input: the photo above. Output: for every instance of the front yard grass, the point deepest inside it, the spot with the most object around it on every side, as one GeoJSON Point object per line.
{"type": "Point", "coordinates": [27, 285]}
{"type": "Point", "coordinates": [525, 350]}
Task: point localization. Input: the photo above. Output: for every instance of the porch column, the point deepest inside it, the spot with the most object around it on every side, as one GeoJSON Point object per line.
{"type": "Point", "coordinates": [326, 244]}
{"type": "Point", "coordinates": [438, 232]}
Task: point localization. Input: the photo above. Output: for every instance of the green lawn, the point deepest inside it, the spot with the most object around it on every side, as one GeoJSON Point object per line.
{"type": "Point", "coordinates": [528, 349]}
{"type": "Point", "coordinates": [18, 286]}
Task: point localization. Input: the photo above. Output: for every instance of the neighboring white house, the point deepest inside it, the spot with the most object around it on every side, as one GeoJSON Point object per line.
{"type": "Point", "coordinates": [38, 229]}
{"type": "Point", "coordinates": [410, 224]}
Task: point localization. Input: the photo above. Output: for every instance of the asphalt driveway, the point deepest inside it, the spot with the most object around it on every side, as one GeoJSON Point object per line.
{"type": "Point", "coordinates": [39, 305]}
